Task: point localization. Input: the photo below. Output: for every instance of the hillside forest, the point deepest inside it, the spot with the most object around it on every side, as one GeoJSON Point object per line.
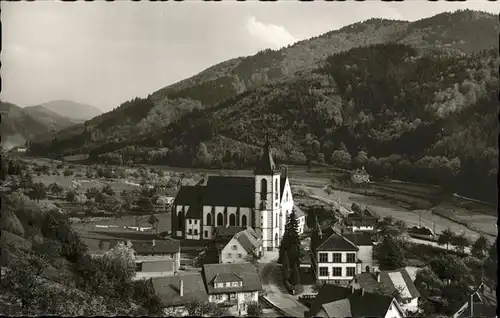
{"type": "Point", "coordinates": [413, 101]}
{"type": "Point", "coordinates": [429, 118]}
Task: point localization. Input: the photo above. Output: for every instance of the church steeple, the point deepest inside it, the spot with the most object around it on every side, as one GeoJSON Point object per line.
{"type": "Point", "coordinates": [266, 164]}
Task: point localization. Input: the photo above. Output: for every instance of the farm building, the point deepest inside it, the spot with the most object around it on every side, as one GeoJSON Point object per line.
{"type": "Point", "coordinates": [263, 202]}
{"type": "Point", "coordinates": [335, 301]}
{"type": "Point", "coordinates": [393, 280]}
{"type": "Point", "coordinates": [360, 176]}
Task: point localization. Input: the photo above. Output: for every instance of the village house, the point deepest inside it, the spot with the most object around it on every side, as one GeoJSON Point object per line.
{"type": "Point", "coordinates": [163, 203]}
{"type": "Point", "coordinates": [360, 221]}
{"type": "Point", "coordinates": [336, 301]}
{"type": "Point", "coordinates": [242, 247]}
{"type": "Point", "coordinates": [157, 258]}
{"type": "Point", "coordinates": [176, 291]}
{"type": "Point", "coordinates": [394, 281]}
{"type": "Point", "coordinates": [337, 259]}
{"type": "Point", "coordinates": [482, 303]}
{"type": "Point", "coordinates": [263, 202]}
{"type": "Point", "coordinates": [234, 285]}
{"type": "Point", "coordinates": [360, 176]}
{"type": "Point", "coordinates": [153, 256]}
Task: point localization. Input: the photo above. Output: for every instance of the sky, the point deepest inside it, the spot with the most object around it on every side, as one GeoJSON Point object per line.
{"type": "Point", "coordinates": [104, 53]}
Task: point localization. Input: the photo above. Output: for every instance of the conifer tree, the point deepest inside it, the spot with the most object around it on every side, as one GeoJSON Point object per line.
{"type": "Point", "coordinates": [292, 238]}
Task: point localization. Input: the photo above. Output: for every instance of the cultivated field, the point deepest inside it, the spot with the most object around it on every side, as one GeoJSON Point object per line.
{"type": "Point", "coordinates": [164, 222]}
{"type": "Point", "coordinates": [477, 223]}
{"type": "Point", "coordinates": [408, 202]}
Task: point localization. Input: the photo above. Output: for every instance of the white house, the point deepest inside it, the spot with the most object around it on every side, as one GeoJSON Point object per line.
{"type": "Point", "coordinates": [235, 285]}
{"type": "Point", "coordinates": [360, 176]}
{"type": "Point", "coordinates": [263, 202]}
{"type": "Point", "coordinates": [336, 301]}
{"type": "Point", "coordinates": [337, 259]}
{"type": "Point", "coordinates": [391, 281]}
{"type": "Point", "coordinates": [242, 245]}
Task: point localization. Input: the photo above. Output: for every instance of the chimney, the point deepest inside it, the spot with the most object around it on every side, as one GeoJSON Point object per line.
{"type": "Point", "coordinates": [377, 274]}
{"type": "Point", "coordinates": [181, 288]}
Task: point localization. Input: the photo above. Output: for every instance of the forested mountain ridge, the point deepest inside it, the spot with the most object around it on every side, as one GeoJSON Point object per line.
{"type": "Point", "coordinates": [19, 125]}
{"type": "Point", "coordinates": [450, 33]}
{"type": "Point", "coordinates": [408, 112]}
{"type": "Point", "coordinates": [77, 112]}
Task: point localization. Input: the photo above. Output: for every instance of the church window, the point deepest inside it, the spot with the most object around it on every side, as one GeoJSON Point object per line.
{"type": "Point", "coordinates": [232, 220]}
{"type": "Point", "coordinates": [276, 189]}
{"type": "Point", "coordinates": [180, 219]}
{"type": "Point", "coordinates": [244, 220]}
{"type": "Point", "coordinates": [263, 189]}
{"type": "Point", "coordinates": [220, 219]}
{"type": "Point", "coordinates": [209, 219]}
{"type": "Point", "coordinates": [286, 197]}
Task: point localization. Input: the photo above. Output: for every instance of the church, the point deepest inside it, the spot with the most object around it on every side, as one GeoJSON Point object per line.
{"type": "Point", "coordinates": [263, 201]}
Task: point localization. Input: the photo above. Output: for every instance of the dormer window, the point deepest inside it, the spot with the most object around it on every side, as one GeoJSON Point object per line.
{"type": "Point", "coordinates": [228, 284]}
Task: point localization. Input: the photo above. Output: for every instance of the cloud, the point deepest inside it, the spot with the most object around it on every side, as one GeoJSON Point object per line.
{"type": "Point", "coordinates": [275, 35]}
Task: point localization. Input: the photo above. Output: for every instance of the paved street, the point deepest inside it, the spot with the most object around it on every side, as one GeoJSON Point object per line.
{"type": "Point", "coordinates": [276, 292]}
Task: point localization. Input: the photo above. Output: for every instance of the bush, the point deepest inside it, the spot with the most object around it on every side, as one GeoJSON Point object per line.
{"type": "Point", "coordinates": [10, 223]}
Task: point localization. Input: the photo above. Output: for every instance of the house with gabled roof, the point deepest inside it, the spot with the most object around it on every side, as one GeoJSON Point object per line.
{"type": "Point", "coordinates": [263, 201]}
{"type": "Point", "coordinates": [360, 176]}
{"type": "Point", "coordinates": [360, 221]}
{"type": "Point", "coordinates": [336, 301]}
{"type": "Point", "coordinates": [336, 258]}
{"type": "Point", "coordinates": [242, 246]}
{"type": "Point", "coordinates": [176, 291]}
{"type": "Point", "coordinates": [397, 282]}
{"type": "Point", "coordinates": [482, 303]}
{"type": "Point", "coordinates": [233, 285]}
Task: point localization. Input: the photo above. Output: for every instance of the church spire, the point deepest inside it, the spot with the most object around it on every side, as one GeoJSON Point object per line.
{"type": "Point", "coordinates": [266, 164]}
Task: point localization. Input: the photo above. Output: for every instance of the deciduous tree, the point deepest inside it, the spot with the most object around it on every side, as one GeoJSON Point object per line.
{"type": "Point", "coordinates": [480, 247]}
{"type": "Point", "coordinates": [446, 237]}
{"type": "Point", "coordinates": [390, 254]}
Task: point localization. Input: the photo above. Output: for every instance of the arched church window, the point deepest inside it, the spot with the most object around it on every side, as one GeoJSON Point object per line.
{"type": "Point", "coordinates": [209, 219]}
{"type": "Point", "coordinates": [244, 220]}
{"type": "Point", "coordinates": [220, 219]}
{"type": "Point", "coordinates": [232, 220]}
{"type": "Point", "coordinates": [263, 189]}
{"type": "Point", "coordinates": [276, 191]}
{"type": "Point", "coordinates": [286, 199]}
{"type": "Point", "coordinates": [180, 219]}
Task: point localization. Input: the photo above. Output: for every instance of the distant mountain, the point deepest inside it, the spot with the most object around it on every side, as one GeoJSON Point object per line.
{"type": "Point", "coordinates": [75, 111]}
{"type": "Point", "coordinates": [413, 96]}
{"type": "Point", "coordinates": [51, 119]}
{"type": "Point", "coordinates": [17, 126]}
